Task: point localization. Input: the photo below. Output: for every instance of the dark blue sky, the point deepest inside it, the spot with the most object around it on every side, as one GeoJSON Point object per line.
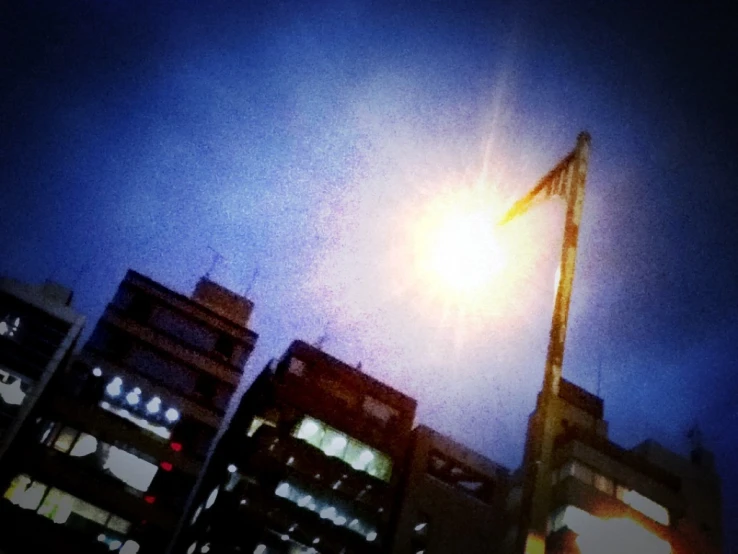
{"type": "Point", "coordinates": [298, 138]}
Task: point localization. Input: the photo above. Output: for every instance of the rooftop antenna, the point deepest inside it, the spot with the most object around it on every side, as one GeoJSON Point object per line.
{"type": "Point", "coordinates": [322, 338]}
{"type": "Point", "coordinates": [253, 280]}
{"type": "Point", "coordinates": [695, 437]}
{"type": "Point", "coordinates": [217, 257]}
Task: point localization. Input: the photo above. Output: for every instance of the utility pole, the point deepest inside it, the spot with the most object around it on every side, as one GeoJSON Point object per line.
{"type": "Point", "coordinates": [566, 179]}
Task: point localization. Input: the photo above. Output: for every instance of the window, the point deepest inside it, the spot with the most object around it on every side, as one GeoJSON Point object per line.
{"type": "Point", "coordinates": [129, 468]}
{"type": "Point", "coordinates": [9, 326]}
{"type": "Point", "coordinates": [13, 391]}
{"type": "Point", "coordinates": [224, 346]}
{"type": "Point", "coordinates": [458, 475]}
{"type": "Point", "coordinates": [256, 423]}
{"type": "Point", "coordinates": [296, 367]}
{"type": "Point", "coordinates": [646, 506]}
{"type": "Point", "coordinates": [328, 508]}
{"type": "Point", "coordinates": [604, 484]}
{"type": "Point", "coordinates": [65, 509]}
{"type": "Point", "coordinates": [206, 386]}
{"type": "Point", "coordinates": [379, 410]}
{"type": "Point", "coordinates": [577, 470]}
{"type": "Point", "coordinates": [140, 308]}
{"type": "Point", "coordinates": [65, 439]}
{"type": "Point", "coordinates": [336, 444]}
{"type": "Point", "coordinates": [125, 466]}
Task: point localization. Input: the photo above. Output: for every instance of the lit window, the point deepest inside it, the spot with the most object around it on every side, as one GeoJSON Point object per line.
{"type": "Point", "coordinates": [84, 446]}
{"type": "Point", "coordinates": [604, 484]}
{"type": "Point", "coordinates": [192, 548]}
{"type": "Point", "coordinates": [118, 524]}
{"type": "Point", "coordinates": [297, 366]}
{"type": "Point", "coordinates": [371, 536]}
{"type": "Point", "coordinates": [378, 410]}
{"type": "Point", "coordinates": [578, 471]}
{"type": "Point", "coordinates": [114, 387]}
{"type": "Point", "coordinates": [336, 444]}
{"type": "Point", "coordinates": [260, 549]}
{"type": "Point", "coordinates": [647, 507]}
{"type": "Point", "coordinates": [134, 396]}
{"type": "Point", "coordinates": [11, 389]}
{"type": "Point", "coordinates": [9, 326]}
{"type": "Point", "coordinates": [619, 534]}
{"type": "Point", "coordinates": [197, 514]}
{"type": "Point", "coordinates": [311, 431]}
{"type": "Point", "coordinates": [58, 506]}
{"type": "Point", "coordinates": [24, 493]}
{"type": "Point", "coordinates": [65, 440]}
{"type": "Point", "coordinates": [155, 428]}
{"type": "Point", "coordinates": [283, 490]}
{"type": "Point", "coordinates": [130, 547]}
{"type": "Point", "coordinates": [211, 499]}
{"type": "Point", "coordinates": [130, 469]}
{"type": "Point", "coordinates": [154, 405]}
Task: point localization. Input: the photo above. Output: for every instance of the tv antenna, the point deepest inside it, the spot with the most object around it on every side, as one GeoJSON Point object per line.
{"type": "Point", "coordinates": [322, 338]}
{"type": "Point", "coordinates": [253, 280]}
{"type": "Point", "coordinates": [217, 257]}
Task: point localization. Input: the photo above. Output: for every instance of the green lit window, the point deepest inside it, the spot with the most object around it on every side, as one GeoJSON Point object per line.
{"type": "Point", "coordinates": [311, 431]}
{"type": "Point", "coordinates": [339, 445]}
{"type": "Point", "coordinates": [334, 443]}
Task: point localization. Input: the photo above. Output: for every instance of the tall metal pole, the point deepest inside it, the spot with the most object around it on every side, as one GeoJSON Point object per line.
{"type": "Point", "coordinates": [537, 488]}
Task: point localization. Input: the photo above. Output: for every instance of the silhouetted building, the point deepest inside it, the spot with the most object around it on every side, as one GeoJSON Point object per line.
{"type": "Point", "coordinates": [605, 498]}
{"type": "Point", "coordinates": [311, 463]}
{"type": "Point", "coordinates": [115, 451]}
{"type": "Point", "coordinates": [38, 332]}
{"type": "Point", "coordinates": [453, 499]}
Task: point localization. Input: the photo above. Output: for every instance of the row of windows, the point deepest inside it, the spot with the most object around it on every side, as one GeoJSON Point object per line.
{"type": "Point", "coordinates": [129, 468]}
{"type": "Point", "coordinates": [336, 444]}
{"type": "Point", "coordinates": [461, 477]}
{"type": "Point", "coordinates": [64, 509]}
{"type": "Point", "coordinates": [203, 388]}
{"type": "Point", "coordinates": [635, 500]}
{"type": "Point", "coordinates": [141, 308]}
{"type": "Point", "coordinates": [379, 411]}
{"type": "Point", "coordinates": [327, 509]}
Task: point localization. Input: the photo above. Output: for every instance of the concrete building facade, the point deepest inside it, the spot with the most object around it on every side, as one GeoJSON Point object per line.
{"type": "Point", "coordinates": [116, 447]}
{"type": "Point", "coordinates": [38, 332]}
{"type": "Point", "coordinates": [453, 499]}
{"type": "Point", "coordinates": [312, 462]}
{"type": "Point", "coordinates": [605, 498]}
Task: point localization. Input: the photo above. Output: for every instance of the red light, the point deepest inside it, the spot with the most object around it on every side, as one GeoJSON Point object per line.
{"type": "Point", "coordinates": [176, 446]}
{"type": "Point", "coordinates": [166, 466]}
{"type": "Point", "coordinates": [150, 499]}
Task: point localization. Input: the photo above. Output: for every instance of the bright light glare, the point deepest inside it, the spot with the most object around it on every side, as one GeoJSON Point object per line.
{"type": "Point", "coordinates": [457, 247]}
{"type": "Point", "coordinates": [615, 535]}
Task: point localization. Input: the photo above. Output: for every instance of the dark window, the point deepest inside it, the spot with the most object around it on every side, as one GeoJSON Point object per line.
{"type": "Point", "coordinates": [206, 386]}
{"type": "Point", "coordinates": [456, 474]}
{"type": "Point", "coordinates": [140, 308]}
{"type": "Point", "coordinates": [194, 436]}
{"type": "Point", "coordinates": [110, 340]}
{"type": "Point", "coordinates": [224, 346]}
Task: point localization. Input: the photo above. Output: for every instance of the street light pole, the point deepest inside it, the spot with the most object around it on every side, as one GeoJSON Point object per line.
{"type": "Point", "coordinates": [567, 179]}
